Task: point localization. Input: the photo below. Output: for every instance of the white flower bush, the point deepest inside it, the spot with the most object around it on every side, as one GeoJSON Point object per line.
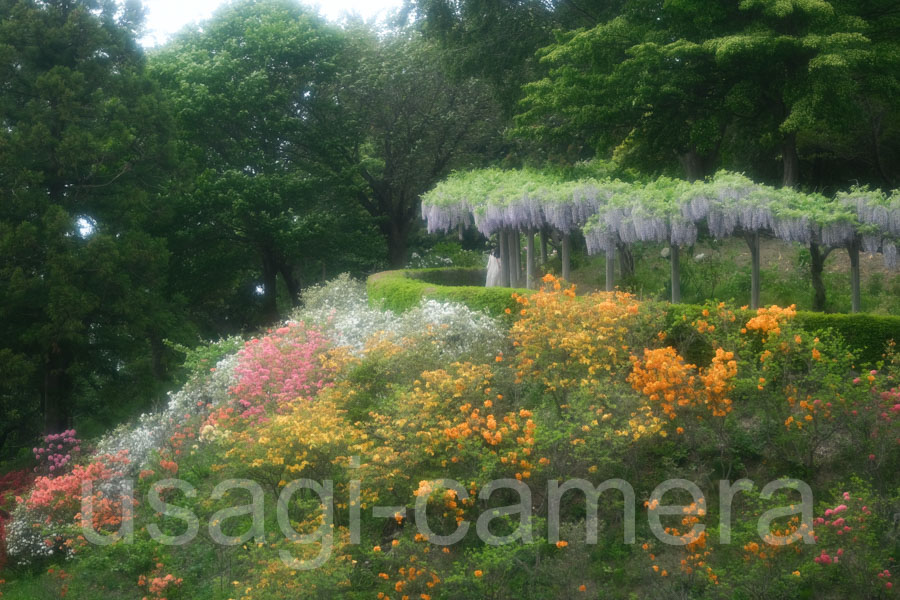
{"type": "Point", "coordinates": [151, 430]}
{"type": "Point", "coordinates": [341, 307]}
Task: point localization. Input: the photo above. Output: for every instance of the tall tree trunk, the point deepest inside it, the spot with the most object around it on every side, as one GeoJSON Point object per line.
{"type": "Point", "coordinates": [566, 256]}
{"type": "Point", "coordinates": [817, 258]}
{"type": "Point", "coordinates": [693, 164]}
{"type": "Point", "coordinates": [57, 391]}
{"type": "Point", "coordinates": [157, 354]}
{"type": "Point", "coordinates": [504, 258]}
{"type": "Point", "coordinates": [270, 288]}
{"type": "Point", "coordinates": [293, 286]}
{"type": "Point", "coordinates": [853, 251]}
{"type": "Point", "coordinates": [876, 128]}
{"type": "Point", "coordinates": [790, 161]}
{"type": "Point", "coordinates": [397, 237]}
{"type": "Point", "coordinates": [676, 273]}
{"type": "Point", "coordinates": [610, 270]}
{"type": "Point", "coordinates": [753, 243]}
{"type": "Point", "coordinates": [529, 260]}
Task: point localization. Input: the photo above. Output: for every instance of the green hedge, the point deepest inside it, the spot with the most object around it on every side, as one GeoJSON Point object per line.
{"type": "Point", "coordinates": [868, 334]}
{"type": "Point", "coordinates": [402, 290]}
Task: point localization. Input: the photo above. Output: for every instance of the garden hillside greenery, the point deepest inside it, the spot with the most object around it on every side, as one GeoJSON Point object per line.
{"type": "Point", "coordinates": [152, 198]}
{"type": "Point", "coordinates": [384, 404]}
{"type": "Point", "coordinates": [868, 335]}
{"type": "Point", "coordinates": [242, 183]}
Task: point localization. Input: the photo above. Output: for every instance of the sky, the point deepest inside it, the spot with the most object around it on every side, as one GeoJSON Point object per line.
{"type": "Point", "coordinates": [165, 17]}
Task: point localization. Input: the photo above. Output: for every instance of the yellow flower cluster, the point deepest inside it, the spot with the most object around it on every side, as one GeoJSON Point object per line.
{"type": "Point", "coordinates": [567, 342]}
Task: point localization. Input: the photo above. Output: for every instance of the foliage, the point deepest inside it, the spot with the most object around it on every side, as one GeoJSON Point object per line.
{"type": "Point", "coordinates": [84, 146]}
{"type": "Point", "coordinates": [868, 335]}
{"type": "Point", "coordinates": [413, 125]}
{"type": "Point", "coordinates": [583, 386]}
{"type": "Point", "coordinates": [684, 87]}
{"type": "Point", "coordinates": [446, 254]}
{"type": "Point", "coordinates": [264, 182]}
{"type": "Point", "coordinates": [394, 290]}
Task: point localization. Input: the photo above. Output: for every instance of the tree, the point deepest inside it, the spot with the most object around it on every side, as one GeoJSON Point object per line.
{"type": "Point", "coordinates": [639, 86]}
{"type": "Point", "coordinates": [415, 125]}
{"type": "Point", "coordinates": [468, 31]}
{"type": "Point", "coordinates": [263, 131]}
{"type": "Point", "coordinates": [791, 68]}
{"type": "Point", "coordinates": [83, 304]}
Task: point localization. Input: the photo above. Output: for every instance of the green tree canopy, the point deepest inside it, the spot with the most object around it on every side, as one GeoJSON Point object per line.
{"type": "Point", "coordinates": [757, 85]}
{"type": "Point", "coordinates": [83, 302]}
{"type": "Point", "coordinates": [415, 124]}
{"type": "Point", "coordinates": [262, 139]}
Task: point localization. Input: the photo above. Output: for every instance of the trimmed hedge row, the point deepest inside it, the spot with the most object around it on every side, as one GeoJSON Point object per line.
{"type": "Point", "coordinates": [401, 290]}
{"type": "Point", "coordinates": [867, 334]}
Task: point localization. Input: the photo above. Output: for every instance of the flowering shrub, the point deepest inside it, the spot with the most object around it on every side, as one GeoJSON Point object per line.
{"type": "Point", "coordinates": [847, 546]}
{"type": "Point", "coordinates": [12, 484]}
{"type": "Point", "coordinates": [160, 586]}
{"type": "Point", "coordinates": [55, 455]}
{"type": "Point", "coordinates": [454, 331]}
{"type": "Point", "coordinates": [307, 440]}
{"type": "Point", "coordinates": [693, 555]}
{"type": "Point", "coordinates": [566, 343]}
{"type": "Point", "coordinates": [276, 368]}
{"type": "Point", "coordinates": [577, 387]}
{"type": "Point", "coordinates": [43, 522]}
{"type": "Point", "coordinates": [672, 386]}
{"type": "Point", "coordinates": [455, 421]}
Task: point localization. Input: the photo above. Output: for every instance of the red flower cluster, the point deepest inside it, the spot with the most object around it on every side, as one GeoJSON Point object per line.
{"type": "Point", "coordinates": [12, 484]}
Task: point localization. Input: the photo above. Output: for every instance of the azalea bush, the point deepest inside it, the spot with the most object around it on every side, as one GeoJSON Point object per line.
{"type": "Point", "coordinates": [274, 369]}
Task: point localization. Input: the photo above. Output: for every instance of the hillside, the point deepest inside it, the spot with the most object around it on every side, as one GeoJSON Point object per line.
{"type": "Point", "coordinates": [440, 453]}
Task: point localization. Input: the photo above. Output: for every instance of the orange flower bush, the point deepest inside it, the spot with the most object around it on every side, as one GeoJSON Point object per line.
{"type": "Point", "coordinates": [456, 423]}
{"type": "Point", "coordinates": [583, 387]}
{"type": "Point", "coordinates": [770, 320]}
{"type": "Point", "coordinates": [692, 556]}
{"type": "Point", "coordinates": [671, 386]}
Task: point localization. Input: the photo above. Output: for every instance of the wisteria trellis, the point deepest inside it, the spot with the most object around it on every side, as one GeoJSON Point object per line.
{"type": "Point", "coordinates": [613, 213]}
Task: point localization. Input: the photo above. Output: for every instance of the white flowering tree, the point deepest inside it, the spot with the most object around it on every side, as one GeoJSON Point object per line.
{"type": "Point", "coordinates": [613, 214]}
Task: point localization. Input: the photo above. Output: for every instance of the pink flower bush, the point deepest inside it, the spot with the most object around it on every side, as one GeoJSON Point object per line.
{"type": "Point", "coordinates": [56, 454]}
{"type": "Point", "coordinates": [278, 368]}
{"type": "Point", "coordinates": [844, 534]}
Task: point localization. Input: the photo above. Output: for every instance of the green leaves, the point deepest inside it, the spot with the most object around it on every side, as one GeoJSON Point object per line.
{"type": "Point", "coordinates": [83, 136]}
